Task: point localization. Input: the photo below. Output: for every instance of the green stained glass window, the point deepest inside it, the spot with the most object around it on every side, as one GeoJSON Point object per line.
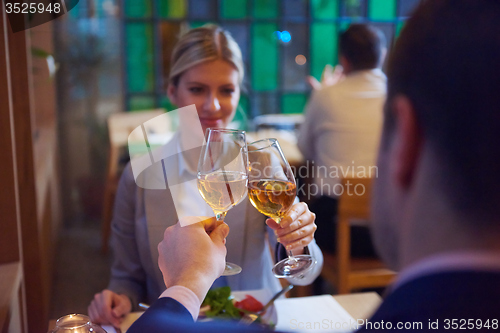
{"type": "Point", "coordinates": [202, 9]}
{"type": "Point", "coordinates": [244, 104]}
{"type": "Point", "coordinates": [73, 8]}
{"type": "Point", "coordinates": [240, 33]}
{"type": "Point", "coordinates": [276, 71]}
{"type": "Point", "coordinates": [406, 7]}
{"type": "Point", "coordinates": [344, 25]}
{"type": "Point", "coordinates": [172, 8]}
{"type": "Point", "coordinates": [264, 57]}
{"type": "Point", "coordinates": [197, 24]}
{"type": "Point", "coordinates": [265, 103]}
{"type": "Point", "coordinates": [234, 9]}
{"type": "Point", "coordinates": [293, 58]}
{"type": "Point", "coordinates": [354, 8]}
{"type": "Point", "coordinates": [168, 36]}
{"type": "Point", "coordinates": [388, 30]}
{"type": "Point", "coordinates": [135, 8]}
{"type": "Point", "coordinates": [141, 103]}
{"type": "Point", "coordinates": [240, 120]}
{"type": "Point", "coordinates": [265, 8]}
{"type": "Point", "coordinates": [399, 26]}
{"type": "Point", "coordinates": [325, 9]}
{"type": "Point", "coordinates": [382, 9]}
{"type": "Point", "coordinates": [293, 103]}
{"type": "Point", "coordinates": [324, 38]}
{"type": "Point", "coordinates": [166, 104]}
{"type": "Point", "coordinates": [139, 48]}
{"type": "Point", "coordinates": [294, 8]}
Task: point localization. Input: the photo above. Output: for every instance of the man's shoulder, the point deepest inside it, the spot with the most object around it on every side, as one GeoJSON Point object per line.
{"type": "Point", "coordinates": [438, 297]}
{"type": "Point", "coordinates": [372, 80]}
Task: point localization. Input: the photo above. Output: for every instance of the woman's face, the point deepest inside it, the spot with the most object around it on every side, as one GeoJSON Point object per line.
{"type": "Point", "coordinates": [213, 87]}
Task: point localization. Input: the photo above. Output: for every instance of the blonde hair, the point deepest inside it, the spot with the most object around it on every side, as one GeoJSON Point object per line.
{"type": "Point", "coordinates": [207, 43]}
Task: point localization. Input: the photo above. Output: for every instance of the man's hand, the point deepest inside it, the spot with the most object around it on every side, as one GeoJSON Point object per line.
{"type": "Point", "coordinates": [193, 256]}
{"type": "Point", "coordinates": [108, 307]}
{"type": "Point", "coordinates": [329, 77]}
{"type": "Point", "coordinates": [296, 229]}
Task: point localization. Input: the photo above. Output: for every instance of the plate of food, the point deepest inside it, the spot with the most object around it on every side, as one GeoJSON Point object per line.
{"type": "Point", "coordinates": [221, 303]}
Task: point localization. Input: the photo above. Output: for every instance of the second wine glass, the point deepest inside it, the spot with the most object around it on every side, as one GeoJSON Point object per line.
{"type": "Point", "coordinates": [272, 190]}
{"type": "Point", "coordinates": [223, 174]}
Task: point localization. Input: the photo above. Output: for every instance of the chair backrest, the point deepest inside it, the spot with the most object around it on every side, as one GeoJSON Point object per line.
{"type": "Point", "coordinates": [120, 125]}
{"type": "Point", "coordinates": [354, 202]}
{"type": "Point", "coordinates": [348, 273]}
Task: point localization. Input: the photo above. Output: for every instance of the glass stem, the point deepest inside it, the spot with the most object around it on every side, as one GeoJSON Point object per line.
{"type": "Point", "coordinates": [291, 258]}
{"type": "Point", "coordinates": [220, 216]}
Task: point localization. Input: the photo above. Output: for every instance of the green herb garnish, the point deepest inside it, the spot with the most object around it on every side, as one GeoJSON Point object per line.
{"type": "Point", "coordinates": [221, 304]}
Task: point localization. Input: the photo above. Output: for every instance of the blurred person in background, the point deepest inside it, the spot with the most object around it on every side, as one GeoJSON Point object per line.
{"type": "Point", "coordinates": [342, 126]}
{"type": "Point", "coordinates": [207, 71]}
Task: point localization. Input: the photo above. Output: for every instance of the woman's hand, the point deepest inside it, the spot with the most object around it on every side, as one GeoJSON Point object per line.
{"type": "Point", "coordinates": [296, 229]}
{"type": "Point", "coordinates": [108, 307]}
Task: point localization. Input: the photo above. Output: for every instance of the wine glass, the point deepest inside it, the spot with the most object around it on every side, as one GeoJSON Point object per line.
{"type": "Point", "coordinates": [272, 190]}
{"type": "Point", "coordinates": [223, 174]}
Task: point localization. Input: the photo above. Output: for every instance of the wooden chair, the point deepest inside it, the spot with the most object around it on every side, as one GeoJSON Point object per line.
{"type": "Point", "coordinates": [348, 273]}
{"type": "Point", "coordinates": [120, 125]}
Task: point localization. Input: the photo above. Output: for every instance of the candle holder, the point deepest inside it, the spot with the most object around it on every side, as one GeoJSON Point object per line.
{"type": "Point", "coordinates": [76, 323]}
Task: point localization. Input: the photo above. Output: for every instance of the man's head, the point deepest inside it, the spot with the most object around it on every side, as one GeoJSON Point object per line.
{"type": "Point", "coordinates": [442, 119]}
{"type": "Point", "coordinates": [362, 47]}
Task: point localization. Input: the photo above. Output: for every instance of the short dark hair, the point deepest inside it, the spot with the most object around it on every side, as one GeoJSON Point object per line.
{"type": "Point", "coordinates": [362, 46]}
{"type": "Point", "coordinates": [447, 62]}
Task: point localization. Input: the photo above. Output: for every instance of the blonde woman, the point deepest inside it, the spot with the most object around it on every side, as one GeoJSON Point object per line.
{"type": "Point", "coordinates": [207, 71]}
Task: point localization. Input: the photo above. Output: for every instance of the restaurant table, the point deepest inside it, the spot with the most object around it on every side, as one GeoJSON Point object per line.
{"type": "Point", "coordinates": [287, 141]}
{"type": "Point", "coordinates": [358, 306]}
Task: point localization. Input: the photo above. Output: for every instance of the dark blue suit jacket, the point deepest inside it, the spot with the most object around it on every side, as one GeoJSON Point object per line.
{"type": "Point", "coordinates": [440, 297]}
{"type": "Point", "coordinates": [168, 315]}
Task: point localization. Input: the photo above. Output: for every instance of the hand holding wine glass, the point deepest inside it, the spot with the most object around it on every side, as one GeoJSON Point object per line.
{"type": "Point", "coordinates": [223, 174]}
{"type": "Point", "coordinates": [296, 229]}
{"type": "Point", "coordinates": [272, 190]}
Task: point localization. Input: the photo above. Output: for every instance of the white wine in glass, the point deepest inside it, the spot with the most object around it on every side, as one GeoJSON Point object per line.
{"type": "Point", "coordinates": [271, 197]}
{"type": "Point", "coordinates": [222, 190]}
{"type": "Point", "coordinates": [223, 174]}
{"type": "Point", "coordinates": [272, 190]}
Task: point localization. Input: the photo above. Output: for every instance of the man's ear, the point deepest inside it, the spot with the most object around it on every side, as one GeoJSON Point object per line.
{"type": "Point", "coordinates": [172, 93]}
{"type": "Point", "coordinates": [346, 64]}
{"type": "Point", "coordinates": [408, 141]}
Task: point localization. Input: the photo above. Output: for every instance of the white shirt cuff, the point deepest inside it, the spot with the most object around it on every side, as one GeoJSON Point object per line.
{"type": "Point", "coordinates": [186, 297]}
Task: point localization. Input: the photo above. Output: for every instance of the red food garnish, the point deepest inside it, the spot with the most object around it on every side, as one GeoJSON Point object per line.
{"type": "Point", "coordinates": [249, 303]}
